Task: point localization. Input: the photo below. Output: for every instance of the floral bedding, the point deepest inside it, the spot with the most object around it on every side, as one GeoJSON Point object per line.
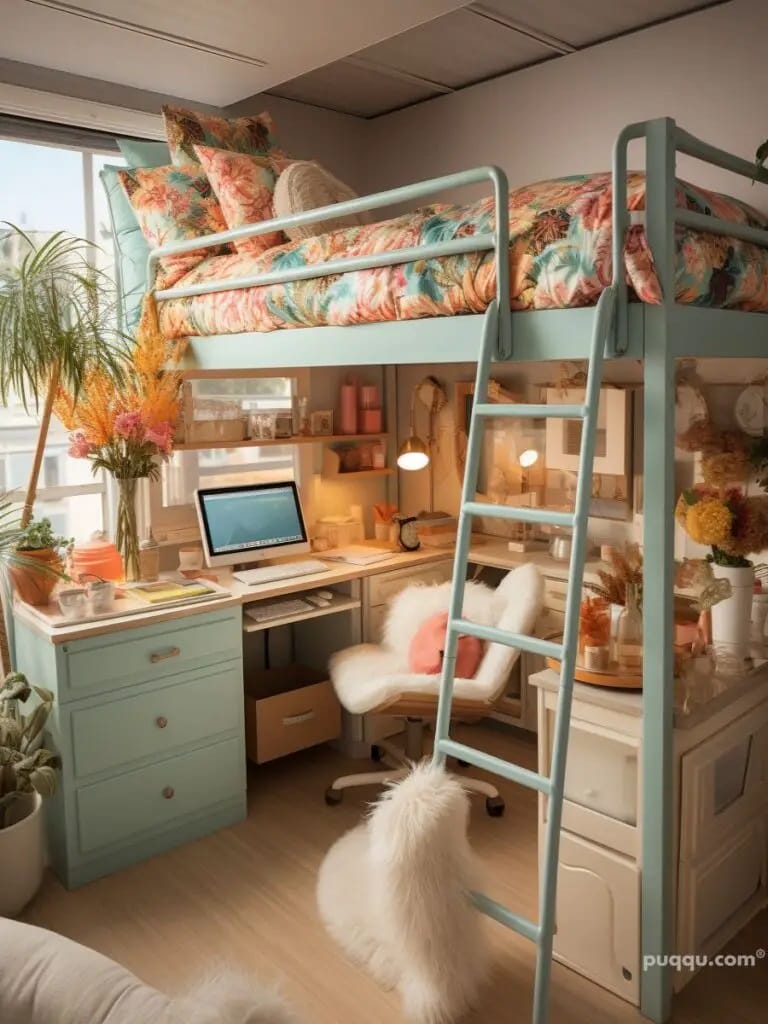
{"type": "Point", "coordinates": [560, 256]}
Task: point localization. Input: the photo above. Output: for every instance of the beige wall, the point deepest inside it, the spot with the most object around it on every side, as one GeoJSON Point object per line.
{"type": "Point", "coordinates": [709, 71]}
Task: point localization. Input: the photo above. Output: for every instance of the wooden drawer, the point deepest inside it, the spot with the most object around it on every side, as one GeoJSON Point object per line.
{"type": "Point", "coordinates": [140, 655]}
{"type": "Point", "coordinates": [598, 916]}
{"type": "Point", "coordinates": [719, 895]}
{"type": "Point", "coordinates": [287, 722]}
{"type": "Point", "coordinates": [155, 797]}
{"type": "Point", "coordinates": [602, 793]}
{"type": "Point", "coordinates": [383, 586]}
{"type": "Point", "coordinates": [724, 784]}
{"type": "Point", "coordinates": [153, 724]}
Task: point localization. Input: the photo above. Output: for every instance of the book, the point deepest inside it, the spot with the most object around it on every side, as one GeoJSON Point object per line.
{"type": "Point", "coordinates": [166, 592]}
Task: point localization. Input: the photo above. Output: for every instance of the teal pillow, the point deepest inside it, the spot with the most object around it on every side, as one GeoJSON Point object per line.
{"type": "Point", "coordinates": [131, 249]}
{"type": "Point", "coordinates": [144, 154]}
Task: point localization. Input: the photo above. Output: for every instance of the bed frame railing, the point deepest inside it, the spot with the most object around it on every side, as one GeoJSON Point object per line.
{"type": "Point", "coordinates": [664, 140]}
{"type": "Point", "coordinates": [498, 241]}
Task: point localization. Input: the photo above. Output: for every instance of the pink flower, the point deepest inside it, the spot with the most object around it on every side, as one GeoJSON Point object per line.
{"type": "Point", "coordinates": [126, 423]}
{"type": "Point", "coordinates": [79, 448]}
{"type": "Point", "coordinates": [160, 435]}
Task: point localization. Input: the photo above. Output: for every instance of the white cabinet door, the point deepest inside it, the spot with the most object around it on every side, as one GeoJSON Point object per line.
{"type": "Point", "coordinates": [598, 916]}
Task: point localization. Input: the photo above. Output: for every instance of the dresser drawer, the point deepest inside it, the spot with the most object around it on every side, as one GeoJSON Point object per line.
{"type": "Point", "coordinates": [157, 796]}
{"type": "Point", "coordinates": [598, 916]}
{"type": "Point", "coordinates": [724, 784]}
{"type": "Point", "coordinates": [287, 722]}
{"type": "Point", "coordinates": [137, 655]}
{"type": "Point", "coordinates": [158, 722]}
{"type": "Point", "coordinates": [383, 586]}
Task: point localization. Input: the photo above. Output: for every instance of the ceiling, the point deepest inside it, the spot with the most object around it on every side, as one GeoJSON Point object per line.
{"type": "Point", "coordinates": [470, 45]}
{"type": "Point", "coordinates": [360, 57]}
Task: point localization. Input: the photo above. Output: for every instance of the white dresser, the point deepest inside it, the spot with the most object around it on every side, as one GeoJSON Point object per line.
{"type": "Point", "coordinates": [721, 815]}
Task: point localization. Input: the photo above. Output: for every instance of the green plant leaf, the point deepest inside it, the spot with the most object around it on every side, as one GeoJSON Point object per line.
{"type": "Point", "coordinates": [691, 497]}
{"type": "Point", "coordinates": [44, 780]}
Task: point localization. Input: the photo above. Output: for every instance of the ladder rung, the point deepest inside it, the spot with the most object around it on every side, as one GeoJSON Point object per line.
{"type": "Point", "coordinates": [499, 913]}
{"type": "Point", "coordinates": [531, 644]}
{"type": "Point", "coordinates": [560, 412]}
{"type": "Point", "coordinates": [506, 770]}
{"type": "Point", "coordinates": [521, 514]}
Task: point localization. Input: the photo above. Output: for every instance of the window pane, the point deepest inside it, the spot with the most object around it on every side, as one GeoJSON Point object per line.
{"type": "Point", "coordinates": [103, 237]}
{"type": "Point", "coordinates": [76, 516]}
{"type": "Point", "coordinates": [42, 187]}
{"type": "Point", "coordinates": [218, 467]}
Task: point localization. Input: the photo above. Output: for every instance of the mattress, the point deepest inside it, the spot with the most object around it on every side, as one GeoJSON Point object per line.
{"type": "Point", "coordinates": [560, 256]}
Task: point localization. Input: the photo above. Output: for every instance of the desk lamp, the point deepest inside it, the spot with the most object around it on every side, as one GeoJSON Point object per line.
{"type": "Point", "coordinates": [415, 453]}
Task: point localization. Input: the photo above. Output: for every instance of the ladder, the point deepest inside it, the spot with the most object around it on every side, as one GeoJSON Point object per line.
{"type": "Point", "coordinates": [552, 786]}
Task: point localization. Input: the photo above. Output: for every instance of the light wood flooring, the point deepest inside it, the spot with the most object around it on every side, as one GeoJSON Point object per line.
{"type": "Point", "coordinates": [246, 896]}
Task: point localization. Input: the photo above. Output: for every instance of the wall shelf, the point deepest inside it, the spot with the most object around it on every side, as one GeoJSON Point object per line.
{"type": "Point", "coordinates": [197, 446]}
{"type": "Point", "coordinates": [356, 474]}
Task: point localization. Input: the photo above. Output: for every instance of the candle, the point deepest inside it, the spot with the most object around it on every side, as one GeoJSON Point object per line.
{"type": "Point", "coordinates": [348, 408]}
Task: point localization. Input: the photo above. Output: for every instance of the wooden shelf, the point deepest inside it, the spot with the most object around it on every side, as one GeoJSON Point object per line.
{"type": "Point", "coordinates": [356, 474]}
{"type": "Point", "coordinates": [197, 446]}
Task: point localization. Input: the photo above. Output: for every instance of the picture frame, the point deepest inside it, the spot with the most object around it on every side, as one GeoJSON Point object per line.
{"type": "Point", "coordinates": [321, 423]}
{"type": "Point", "coordinates": [463, 397]}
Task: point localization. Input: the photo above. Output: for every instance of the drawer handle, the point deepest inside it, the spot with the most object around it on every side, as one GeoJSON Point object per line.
{"type": "Point", "coordinates": [305, 716]}
{"type": "Point", "coordinates": [171, 652]}
{"type": "Point", "coordinates": [162, 721]}
{"type": "Point", "coordinates": [169, 792]}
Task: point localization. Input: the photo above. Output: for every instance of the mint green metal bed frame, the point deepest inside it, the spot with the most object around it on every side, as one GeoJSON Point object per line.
{"type": "Point", "coordinates": [657, 334]}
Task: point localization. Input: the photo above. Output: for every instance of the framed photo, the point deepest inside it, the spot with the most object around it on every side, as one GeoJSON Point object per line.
{"type": "Point", "coordinates": [321, 423]}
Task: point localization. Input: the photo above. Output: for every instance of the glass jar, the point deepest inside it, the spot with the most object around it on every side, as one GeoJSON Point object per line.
{"type": "Point", "coordinates": [149, 559]}
{"type": "Point", "coordinates": [629, 634]}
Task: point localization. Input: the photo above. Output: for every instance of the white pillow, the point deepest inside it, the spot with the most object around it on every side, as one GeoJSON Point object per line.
{"type": "Point", "coordinates": [305, 185]}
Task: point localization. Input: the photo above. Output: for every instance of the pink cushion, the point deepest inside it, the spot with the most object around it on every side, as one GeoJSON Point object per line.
{"type": "Point", "coordinates": [425, 656]}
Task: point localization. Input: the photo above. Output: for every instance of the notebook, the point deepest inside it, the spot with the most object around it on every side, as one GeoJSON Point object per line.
{"type": "Point", "coordinates": [356, 555]}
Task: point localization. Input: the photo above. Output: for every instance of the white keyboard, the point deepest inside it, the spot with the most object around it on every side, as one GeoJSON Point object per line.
{"type": "Point", "coordinates": [277, 610]}
{"type": "Point", "coordinates": [274, 573]}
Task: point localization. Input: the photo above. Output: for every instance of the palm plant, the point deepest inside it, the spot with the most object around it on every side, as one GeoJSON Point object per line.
{"type": "Point", "coordinates": [57, 325]}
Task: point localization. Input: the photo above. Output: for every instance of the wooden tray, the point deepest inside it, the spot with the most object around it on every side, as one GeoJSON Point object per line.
{"type": "Point", "coordinates": [612, 676]}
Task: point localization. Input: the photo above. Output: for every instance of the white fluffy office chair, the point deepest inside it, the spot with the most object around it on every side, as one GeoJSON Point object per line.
{"type": "Point", "coordinates": [372, 678]}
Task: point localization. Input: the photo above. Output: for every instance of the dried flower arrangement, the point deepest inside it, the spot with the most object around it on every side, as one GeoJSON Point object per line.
{"type": "Point", "coordinates": [594, 623]}
{"type": "Point", "coordinates": [626, 567]}
{"type": "Point", "coordinates": [733, 524]}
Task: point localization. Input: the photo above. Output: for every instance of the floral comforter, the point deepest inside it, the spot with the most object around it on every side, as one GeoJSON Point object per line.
{"type": "Point", "coordinates": [560, 256]}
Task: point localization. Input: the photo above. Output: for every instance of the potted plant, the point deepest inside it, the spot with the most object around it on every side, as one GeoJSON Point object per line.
{"type": "Point", "coordinates": [27, 774]}
{"type": "Point", "coordinates": [35, 563]}
{"type": "Point", "coordinates": [57, 317]}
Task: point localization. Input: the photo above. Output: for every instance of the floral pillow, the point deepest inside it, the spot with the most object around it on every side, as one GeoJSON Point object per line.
{"type": "Point", "coordinates": [174, 204]}
{"type": "Point", "coordinates": [187, 128]}
{"type": "Point", "coordinates": [245, 186]}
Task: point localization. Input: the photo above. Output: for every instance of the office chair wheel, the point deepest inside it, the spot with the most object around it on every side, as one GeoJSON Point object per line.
{"type": "Point", "coordinates": [333, 797]}
{"type": "Point", "coordinates": [377, 754]}
{"type": "Point", "coordinates": [495, 805]}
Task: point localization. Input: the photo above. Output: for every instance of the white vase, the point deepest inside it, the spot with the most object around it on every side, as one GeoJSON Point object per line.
{"type": "Point", "coordinates": [731, 619]}
{"type": "Point", "coordinates": [22, 855]}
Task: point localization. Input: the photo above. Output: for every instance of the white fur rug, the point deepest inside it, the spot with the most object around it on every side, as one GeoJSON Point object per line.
{"type": "Point", "coordinates": [394, 893]}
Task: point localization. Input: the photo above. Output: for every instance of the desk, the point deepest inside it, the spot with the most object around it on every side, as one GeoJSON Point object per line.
{"type": "Point", "coordinates": [150, 721]}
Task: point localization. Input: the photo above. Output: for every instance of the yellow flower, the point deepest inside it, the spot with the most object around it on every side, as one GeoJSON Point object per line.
{"type": "Point", "coordinates": [709, 522]}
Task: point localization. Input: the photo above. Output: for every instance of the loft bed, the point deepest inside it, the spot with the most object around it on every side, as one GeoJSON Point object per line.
{"type": "Point", "coordinates": [657, 333]}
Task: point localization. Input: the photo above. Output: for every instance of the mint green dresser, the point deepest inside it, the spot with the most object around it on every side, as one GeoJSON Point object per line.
{"type": "Point", "coordinates": [149, 725]}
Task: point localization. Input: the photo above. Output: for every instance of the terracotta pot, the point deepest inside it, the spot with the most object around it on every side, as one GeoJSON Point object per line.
{"type": "Point", "coordinates": [32, 585]}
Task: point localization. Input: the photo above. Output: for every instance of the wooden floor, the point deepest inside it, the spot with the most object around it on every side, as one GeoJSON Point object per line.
{"type": "Point", "coordinates": [246, 896]}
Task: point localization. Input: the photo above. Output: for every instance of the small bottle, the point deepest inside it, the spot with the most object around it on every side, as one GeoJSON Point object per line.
{"type": "Point", "coordinates": [149, 559]}
{"type": "Point", "coordinates": [629, 635]}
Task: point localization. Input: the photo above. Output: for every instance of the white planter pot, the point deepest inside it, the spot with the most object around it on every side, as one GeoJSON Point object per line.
{"type": "Point", "coordinates": [731, 619]}
{"type": "Point", "coordinates": [22, 855]}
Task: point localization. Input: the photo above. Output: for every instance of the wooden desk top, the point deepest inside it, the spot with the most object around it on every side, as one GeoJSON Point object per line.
{"type": "Point", "coordinates": [239, 594]}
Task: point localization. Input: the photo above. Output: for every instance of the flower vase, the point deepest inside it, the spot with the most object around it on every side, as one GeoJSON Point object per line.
{"type": "Point", "coordinates": [126, 529]}
{"type": "Point", "coordinates": [731, 618]}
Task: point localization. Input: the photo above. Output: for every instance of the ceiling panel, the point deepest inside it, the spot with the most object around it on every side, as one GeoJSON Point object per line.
{"type": "Point", "coordinates": [352, 89]}
{"type": "Point", "coordinates": [581, 22]}
{"type": "Point", "coordinates": [457, 49]}
{"type": "Point", "coordinates": [161, 45]}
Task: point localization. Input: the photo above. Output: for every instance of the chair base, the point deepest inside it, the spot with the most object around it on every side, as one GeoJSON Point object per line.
{"type": "Point", "coordinates": [399, 765]}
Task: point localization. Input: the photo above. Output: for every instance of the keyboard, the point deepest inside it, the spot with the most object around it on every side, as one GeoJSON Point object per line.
{"type": "Point", "coordinates": [274, 573]}
{"type": "Point", "coordinates": [277, 610]}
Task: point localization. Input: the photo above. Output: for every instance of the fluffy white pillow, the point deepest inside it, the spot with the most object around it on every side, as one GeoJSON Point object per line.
{"type": "Point", "coordinates": [304, 185]}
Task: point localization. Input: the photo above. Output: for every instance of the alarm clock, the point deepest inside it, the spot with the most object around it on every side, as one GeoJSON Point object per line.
{"type": "Point", "coordinates": [407, 534]}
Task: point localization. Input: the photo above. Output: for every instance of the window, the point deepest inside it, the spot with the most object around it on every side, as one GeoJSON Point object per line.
{"type": "Point", "coordinates": [171, 500]}
{"type": "Point", "coordinates": [48, 188]}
